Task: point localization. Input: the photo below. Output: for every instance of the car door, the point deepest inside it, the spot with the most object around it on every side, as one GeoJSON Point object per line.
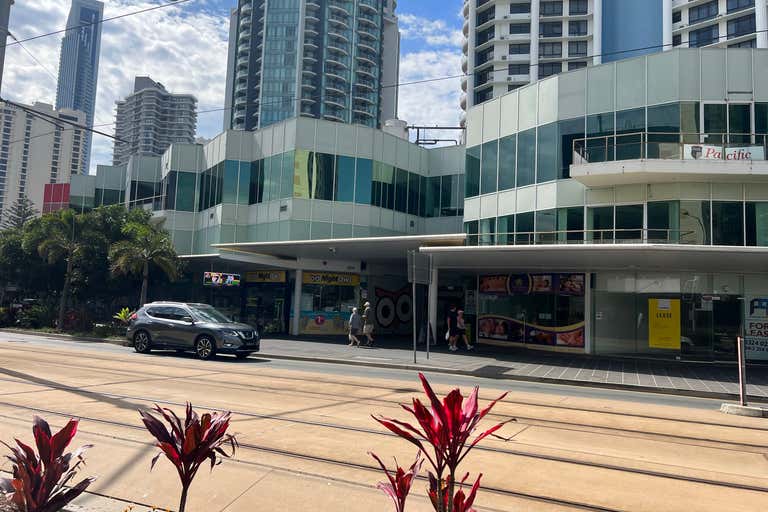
{"type": "Point", "coordinates": [181, 333]}
{"type": "Point", "coordinates": [159, 324]}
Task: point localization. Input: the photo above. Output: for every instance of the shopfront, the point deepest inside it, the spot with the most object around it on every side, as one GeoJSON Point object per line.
{"type": "Point", "coordinates": [535, 310]}
{"type": "Point", "coordinates": [266, 300]}
{"type": "Point", "coordinates": [327, 299]}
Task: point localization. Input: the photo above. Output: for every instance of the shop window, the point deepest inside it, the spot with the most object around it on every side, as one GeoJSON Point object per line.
{"type": "Point", "coordinates": [507, 157]}
{"type": "Point", "coordinates": [413, 194]}
{"type": "Point", "coordinates": [547, 162]}
{"type": "Point", "coordinates": [505, 230]}
{"type": "Point", "coordinates": [546, 225]}
{"type": "Point", "coordinates": [629, 222]}
{"type": "Point", "coordinates": [345, 178]}
{"type": "Point", "coordinates": [757, 224]}
{"type": "Point", "coordinates": [600, 224]}
{"type": "Point", "coordinates": [524, 229]}
{"type": "Point", "coordinates": [570, 130]}
{"type": "Point", "coordinates": [471, 229]}
{"type": "Point", "coordinates": [488, 167]}
{"type": "Point", "coordinates": [526, 157]}
{"type": "Point", "coordinates": [728, 223]}
{"type": "Point", "coordinates": [472, 172]}
{"type": "Point", "coordinates": [629, 124]}
{"type": "Point", "coordinates": [401, 190]}
{"type": "Point", "coordinates": [663, 221]}
{"type": "Point", "coordinates": [363, 181]}
{"type": "Point", "coordinates": [695, 222]}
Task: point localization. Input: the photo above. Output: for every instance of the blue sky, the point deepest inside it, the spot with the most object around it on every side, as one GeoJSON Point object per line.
{"type": "Point", "coordinates": [185, 48]}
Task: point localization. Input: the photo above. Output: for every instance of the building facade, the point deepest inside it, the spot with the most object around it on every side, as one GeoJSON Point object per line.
{"type": "Point", "coordinates": [79, 66]}
{"type": "Point", "coordinates": [151, 119]}
{"type": "Point", "coordinates": [308, 58]}
{"type": "Point", "coordinates": [35, 151]}
{"type": "Point", "coordinates": [724, 23]}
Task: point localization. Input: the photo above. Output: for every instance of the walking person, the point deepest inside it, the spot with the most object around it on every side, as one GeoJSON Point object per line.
{"type": "Point", "coordinates": [462, 327]}
{"type": "Point", "coordinates": [355, 322]}
{"type": "Point", "coordinates": [368, 323]}
{"type": "Point", "coordinates": [453, 330]}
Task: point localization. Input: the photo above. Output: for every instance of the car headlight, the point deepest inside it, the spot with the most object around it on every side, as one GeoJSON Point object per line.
{"type": "Point", "coordinates": [229, 332]}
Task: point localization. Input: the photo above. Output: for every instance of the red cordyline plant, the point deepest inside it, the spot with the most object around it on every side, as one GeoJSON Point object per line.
{"type": "Point", "coordinates": [399, 481]}
{"type": "Point", "coordinates": [443, 435]}
{"type": "Point", "coordinates": [41, 481]}
{"type": "Point", "coordinates": [190, 443]}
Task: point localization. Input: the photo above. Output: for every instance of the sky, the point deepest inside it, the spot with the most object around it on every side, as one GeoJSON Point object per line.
{"type": "Point", "coordinates": [185, 48]}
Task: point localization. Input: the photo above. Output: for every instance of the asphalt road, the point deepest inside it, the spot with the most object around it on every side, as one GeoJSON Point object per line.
{"type": "Point", "coordinates": [305, 430]}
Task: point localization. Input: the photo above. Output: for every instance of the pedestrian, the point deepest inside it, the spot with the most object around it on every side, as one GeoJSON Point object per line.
{"type": "Point", "coordinates": [462, 327]}
{"type": "Point", "coordinates": [354, 328]}
{"type": "Point", "coordinates": [453, 330]}
{"type": "Point", "coordinates": [368, 323]}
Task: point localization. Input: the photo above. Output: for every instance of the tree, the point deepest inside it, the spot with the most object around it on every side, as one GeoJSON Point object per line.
{"type": "Point", "coordinates": [145, 246]}
{"type": "Point", "coordinates": [19, 213]}
{"type": "Point", "coordinates": [63, 235]}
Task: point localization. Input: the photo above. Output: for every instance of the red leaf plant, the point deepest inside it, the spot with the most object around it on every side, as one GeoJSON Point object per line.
{"type": "Point", "coordinates": [442, 434]}
{"type": "Point", "coordinates": [441, 499]}
{"type": "Point", "coordinates": [190, 443]}
{"type": "Point", "coordinates": [400, 482]}
{"type": "Point", "coordinates": [41, 481]}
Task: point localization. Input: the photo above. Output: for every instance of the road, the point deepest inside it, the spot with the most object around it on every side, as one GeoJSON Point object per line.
{"type": "Point", "coordinates": [305, 430]}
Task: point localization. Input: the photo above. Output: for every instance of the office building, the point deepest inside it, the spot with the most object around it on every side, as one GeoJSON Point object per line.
{"type": "Point", "coordinates": [731, 23]}
{"type": "Point", "coordinates": [37, 150]}
{"type": "Point", "coordinates": [79, 65]}
{"type": "Point", "coordinates": [325, 60]}
{"type": "Point", "coordinates": [151, 119]}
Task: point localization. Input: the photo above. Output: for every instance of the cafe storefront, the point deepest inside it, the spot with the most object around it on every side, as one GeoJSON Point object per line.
{"type": "Point", "coordinates": [327, 299]}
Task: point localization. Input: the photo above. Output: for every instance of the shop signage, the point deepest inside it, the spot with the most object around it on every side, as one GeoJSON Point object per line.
{"type": "Point", "coordinates": [221, 279]}
{"type": "Point", "coordinates": [525, 284]}
{"type": "Point", "coordinates": [265, 276]}
{"type": "Point", "coordinates": [331, 278]}
{"type": "Point", "coordinates": [709, 152]}
{"type": "Point", "coordinates": [664, 323]}
{"type": "Point", "coordinates": [756, 327]}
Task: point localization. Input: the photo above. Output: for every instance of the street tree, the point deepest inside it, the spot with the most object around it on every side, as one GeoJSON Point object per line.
{"type": "Point", "coordinates": [145, 246]}
{"type": "Point", "coordinates": [18, 214]}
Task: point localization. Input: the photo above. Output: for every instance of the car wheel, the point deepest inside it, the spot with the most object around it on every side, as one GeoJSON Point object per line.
{"type": "Point", "coordinates": [205, 347]}
{"type": "Point", "coordinates": [142, 343]}
{"type": "Point", "coordinates": [242, 356]}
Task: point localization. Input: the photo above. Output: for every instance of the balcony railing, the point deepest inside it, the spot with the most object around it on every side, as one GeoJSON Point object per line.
{"type": "Point", "coordinates": [585, 236]}
{"type": "Point", "coordinates": [671, 146]}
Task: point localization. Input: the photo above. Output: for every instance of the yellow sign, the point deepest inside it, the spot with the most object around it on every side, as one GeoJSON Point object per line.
{"type": "Point", "coordinates": [265, 276]}
{"type": "Point", "coordinates": [664, 323]}
{"type": "Point", "coordinates": [331, 278]}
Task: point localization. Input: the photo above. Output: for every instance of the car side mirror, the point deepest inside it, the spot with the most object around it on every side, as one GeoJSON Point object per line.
{"type": "Point", "coordinates": [188, 319]}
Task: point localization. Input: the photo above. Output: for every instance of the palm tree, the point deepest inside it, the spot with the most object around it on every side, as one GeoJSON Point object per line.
{"type": "Point", "coordinates": [145, 245]}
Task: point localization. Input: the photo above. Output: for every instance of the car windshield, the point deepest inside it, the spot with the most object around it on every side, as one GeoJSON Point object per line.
{"type": "Point", "coordinates": [209, 314]}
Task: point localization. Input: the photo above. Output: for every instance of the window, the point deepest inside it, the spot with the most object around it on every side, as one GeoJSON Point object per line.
{"type": "Point", "coordinates": [471, 229]}
{"type": "Point", "coordinates": [577, 48]}
{"type": "Point", "coordinates": [551, 9]}
{"type": "Point", "coordinates": [472, 179]}
{"type": "Point", "coordinates": [485, 36]}
{"type": "Point", "coordinates": [750, 43]}
{"type": "Point", "coordinates": [703, 36]}
{"type": "Point", "coordinates": [577, 7]}
{"type": "Point", "coordinates": [629, 222]}
{"type": "Point", "coordinates": [345, 178]}
{"type": "Point", "coordinates": [486, 16]}
{"type": "Point", "coordinates": [551, 29]}
{"type": "Point", "coordinates": [507, 156]}
{"type": "Point", "coordinates": [741, 26]}
{"type": "Point", "coordinates": [549, 68]}
{"type": "Point", "coordinates": [547, 160]}
{"type": "Point", "coordinates": [524, 228]}
{"type": "Point", "coordinates": [702, 12]}
{"type": "Point", "coordinates": [519, 69]}
{"type": "Point", "coordinates": [519, 49]}
{"type": "Point", "coordinates": [677, 16]}
{"type": "Point", "coordinates": [577, 28]}
{"type": "Point", "coordinates": [526, 157]}
{"type": "Point", "coordinates": [484, 95]}
{"type": "Point", "coordinates": [401, 190]}
{"type": "Point", "coordinates": [727, 223]}
{"type": "Point", "coordinates": [600, 223]}
{"type": "Point", "coordinates": [364, 181]}
{"type": "Point", "coordinates": [519, 28]}
{"type": "Point", "coordinates": [757, 224]}
{"type": "Point", "coordinates": [576, 65]}
{"type": "Point", "coordinates": [520, 8]}
{"type": "Point", "coordinates": [677, 40]}
{"type": "Point", "coordinates": [738, 5]}
{"type": "Point", "coordinates": [413, 194]}
{"type": "Point", "coordinates": [483, 57]}
{"type": "Point", "coordinates": [551, 49]}
{"type": "Point", "coordinates": [489, 163]}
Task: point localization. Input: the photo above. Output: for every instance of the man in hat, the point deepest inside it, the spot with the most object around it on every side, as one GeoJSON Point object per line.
{"type": "Point", "coordinates": [368, 323]}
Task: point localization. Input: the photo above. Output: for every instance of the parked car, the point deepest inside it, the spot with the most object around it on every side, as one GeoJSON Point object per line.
{"type": "Point", "coordinates": [190, 327]}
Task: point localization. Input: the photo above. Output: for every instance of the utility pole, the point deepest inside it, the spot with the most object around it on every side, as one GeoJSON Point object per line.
{"type": "Point", "coordinates": [5, 14]}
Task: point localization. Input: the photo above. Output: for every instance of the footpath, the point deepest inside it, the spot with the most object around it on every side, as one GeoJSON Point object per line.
{"type": "Point", "coordinates": [689, 378]}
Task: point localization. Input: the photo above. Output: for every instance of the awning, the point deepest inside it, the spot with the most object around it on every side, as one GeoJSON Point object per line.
{"type": "Point", "coordinates": [592, 257]}
{"type": "Point", "coordinates": [388, 249]}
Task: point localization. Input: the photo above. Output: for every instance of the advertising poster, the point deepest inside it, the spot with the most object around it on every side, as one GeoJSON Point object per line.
{"type": "Point", "coordinates": [756, 327]}
{"type": "Point", "coordinates": [506, 329]}
{"type": "Point", "coordinates": [525, 284]}
{"type": "Point", "coordinates": [220, 279]}
{"type": "Point", "coordinates": [709, 152]}
{"type": "Point", "coordinates": [314, 322]}
{"type": "Point", "coordinates": [664, 323]}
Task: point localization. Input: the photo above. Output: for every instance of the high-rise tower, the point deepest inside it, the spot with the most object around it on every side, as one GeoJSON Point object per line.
{"type": "Point", "coordinates": [320, 58]}
{"type": "Point", "coordinates": [79, 65]}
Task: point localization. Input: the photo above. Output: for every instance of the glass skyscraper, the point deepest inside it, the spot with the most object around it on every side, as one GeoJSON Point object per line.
{"type": "Point", "coordinates": [79, 65]}
{"type": "Point", "coordinates": [328, 59]}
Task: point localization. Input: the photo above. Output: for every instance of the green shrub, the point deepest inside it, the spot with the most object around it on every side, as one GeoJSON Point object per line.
{"type": "Point", "coordinates": [103, 330]}
{"type": "Point", "coordinates": [34, 317]}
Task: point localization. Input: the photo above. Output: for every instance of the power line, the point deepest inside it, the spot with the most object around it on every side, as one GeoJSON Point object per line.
{"type": "Point", "coordinates": [82, 25]}
{"type": "Point", "coordinates": [51, 133]}
{"type": "Point", "coordinates": [33, 57]}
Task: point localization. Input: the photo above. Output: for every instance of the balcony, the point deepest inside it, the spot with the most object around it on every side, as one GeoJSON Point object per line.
{"type": "Point", "coordinates": [340, 21]}
{"type": "Point", "coordinates": [652, 157]}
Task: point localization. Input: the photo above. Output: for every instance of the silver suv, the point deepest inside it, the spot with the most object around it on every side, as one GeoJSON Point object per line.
{"type": "Point", "coordinates": [190, 327]}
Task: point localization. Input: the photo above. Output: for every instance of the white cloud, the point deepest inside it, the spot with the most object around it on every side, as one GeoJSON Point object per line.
{"type": "Point", "coordinates": [185, 49]}
{"type": "Point", "coordinates": [433, 32]}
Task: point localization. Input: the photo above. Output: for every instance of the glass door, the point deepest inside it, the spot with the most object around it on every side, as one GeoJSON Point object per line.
{"type": "Point", "coordinates": [715, 123]}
